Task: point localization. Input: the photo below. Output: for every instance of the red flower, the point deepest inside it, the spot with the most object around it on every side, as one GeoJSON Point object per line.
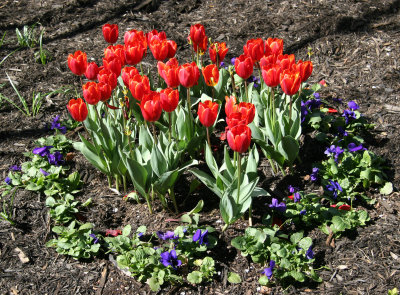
{"type": "Point", "coordinates": [110, 33]}
{"type": "Point", "coordinates": [127, 73]}
{"type": "Point", "coordinates": [113, 232]}
{"type": "Point", "coordinates": [244, 66]}
{"type": "Point", "coordinates": [139, 86]}
{"type": "Point", "coordinates": [159, 48]}
{"type": "Point", "coordinates": [276, 221]}
{"type": "Point", "coordinates": [188, 74]}
{"type": "Point", "coordinates": [254, 48]}
{"type": "Point", "coordinates": [332, 111]}
{"type": "Point", "coordinates": [239, 138]}
{"type": "Point", "coordinates": [235, 119]}
{"type": "Point", "coordinates": [115, 50]}
{"type": "Point", "coordinates": [305, 68]}
{"type": "Point", "coordinates": [107, 77]}
{"type": "Point", "coordinates": [78, 109]}
{"type": "Point", "coordinates": [77, 62]}
{"type": "Point", "coordinates": [113, 64]}
{"type": "Point", "coordinates": [91, 93]}
{"type": "Point", "coordinates": [105, 91]}
{"type": "Point", "coordinates": [208, 112]}
{"type": "Point", "coordinates": [169, 99]}
{"type": "Point", "coordinates": [155, 34]}
{"type": "Point", "coordinates": [345, 207]}
{"type": "Point", "coordinates": [247, 110]}
{"type": "Point", "coordinates": [291, 197]}
{"type": "Point", "coordinates": [230, 105]}
{"type": "Point", "coordinates": [134, 53]}
{"type": "Point", "coordinates": [290, 82]}
{"type": "Point", "coordinates": [151, 106]}
{"type": "Point", "coordinates": [169, 72]}
{"type": "Point", "coordinates": [201, 47]}
{"type": "Point", "coordinates": [172, 46]}
{"type": "Point", "coordinates": [197, 34]}
{"type": "Point", "coordinates": [217, 49]}
{"type": "Point", "coordinates": [322, 83]}
{"type": "Point", "coordinates": [271, 74]}
{"type": "Point", "coordinates": [267, 60]}
{"type": "Point", "coordinates": [92, 70]}
{"type": "Point", "coordinates": [211, 75]}
{"type": "Point", "coordinates": [286, 61]}
{"type": "Point", "coordinates": [275, 46]}
{"type": "Point", "coordinates": [133, 36]}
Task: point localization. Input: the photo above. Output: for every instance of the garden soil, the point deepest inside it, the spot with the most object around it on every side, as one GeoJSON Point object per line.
{"type": "Point", "coordinates": [356, 50]}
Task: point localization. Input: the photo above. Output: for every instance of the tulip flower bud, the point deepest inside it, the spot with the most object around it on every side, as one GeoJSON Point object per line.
{"type": "Point", "coordinates": [188, 74]}
{"type": "Point", "coordinates": [139, 86]}
{"type": "Point", "coordinates": [169, 99]}
{"type": "Point", "coordinates": [91, 93]}
{"type": "Point", "coordinates": [208, 112]}
{"type": "Point", "coordinates": [77, 62]}
{"type": "Point", "coordinates": [151, 106]}
{"type": "Point", "coordinates": [244, 66]}
{"type": "Point", "coordinates": [255, 49]}
{"type": "Point", "coordinates": [211, 74]}
{"type": "Point", "coordinates": [110, 33]}
{"type": "Point", "coordinates": [239, 138]}
{"type": "Point", "coordinates": [217, 49]}
{"type": "Point", "coordinates": [91, 71]}
{"type": "Point", "coordinates": [290, 82]}
{"type": "Point", "coordinates": [78, 109]}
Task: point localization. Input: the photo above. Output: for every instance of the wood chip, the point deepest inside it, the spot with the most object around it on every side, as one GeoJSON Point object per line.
{"type": "Point", "coordinates": [21, 255]}
{"type": "Point", "coordinates": [394, 256]}
{"type": "Point", "coordinates": [342, 266]}
{"type": "Point", "coordinates": [102, 281]}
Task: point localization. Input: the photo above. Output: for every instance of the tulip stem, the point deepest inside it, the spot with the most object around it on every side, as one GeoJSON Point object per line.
{"type": "Point", "coordinates": [250, 215]}
{"type": "Point", "coordinates": [170, 129]}
{"type": "Point", "coordinates": [208, 138]}
{"type": "Point", "coordinates": [273, 107]}
{"type": "Point", "coordinates": [245, 90]}
{"type": "Point", "coordinates": [233, 84]}
{"type": "Point", "coordinates": [213, 94]}
{"type": "Point", "coordinates": [154, 132]}
{"type": "Point", "coordinates": [172, 195]}
{"type": "Point", "coordinates": [190, 113]}
{"type": "Point", "coordinates": [239, 165]}
{"type": "Point", "coordinates": [149, 203]}
{"type": "Point", "coordinates": [290, 111]}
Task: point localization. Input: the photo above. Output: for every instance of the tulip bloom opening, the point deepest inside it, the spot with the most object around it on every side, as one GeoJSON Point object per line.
{"type": "Point", "coordinates": [110, 33]}
{"type": "Point", "coordinates": [78, 109]}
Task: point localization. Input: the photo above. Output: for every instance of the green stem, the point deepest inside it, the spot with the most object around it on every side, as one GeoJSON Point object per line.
{"type": "Point", "coordinates": [149, 204]}
{"type": "Point", "coordinates": [225, 227]}
{"type": "Point", "coordinates": [169, 127]}
{"type": "Point", "coordinates": [233, 84]}
{"type": "Point", "coordinates": [290, 112]}
{"type": "Point", "coordinates": [245, 89]}
{"type": "Point", "coordinates": [208, 138]}
{"type": "Point", "coordinates": [250, 216]}
{"type": "Point", "coordinates": [172, 195]}
{"type": "Point", "coordinates": [189, 105]}
{"type": "Point", "coordinates": [154, 132]}
{"type": "Point", "coordinates": [117, 182]}
{"type": "Point", "coordinates": [239, 168]}
{"type": "Point", "coordinates": [273, 106]}
{"type": "Point", "coordinates": [124, 182]}
{"type": "Point", "coordinates": [109, 180]}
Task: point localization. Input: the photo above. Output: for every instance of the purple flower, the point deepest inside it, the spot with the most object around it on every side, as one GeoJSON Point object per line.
{"type": "Point", "coordinates": [310, 253]}
{"type": "Point", "coordinates": [8, 180]}
{"type": "Point", "coordinates": [348, 116]}
{"type": "Point", "coordinates": [44, 172]}
{"type": "Point", "coordinates": [222, 64]}
{"type": "Point", "coordinates": [269, 270]}
{"type": "Point", "coordinates": [316, 95]}
{"type": "Point", "coordinates": [42, 151]}
{"type": "Point", "coordinates": [169, 235]}
{"type": "Point", "coordinates": [335, 151]}
{"type": "Point", "coordinates": [281, 207]}
{"type": "Point", "coordinates": [233, 60]}
{"type": "Point", "coordinates": [140, 235]}
{"type": "Point", "coordinates": [202, 238]}
{"type": "Point", "coordinates": [334, 187]}
{"type": "Point", "coordinates": [304, 111]}
{"type": "Point", "coordinates": [314, 174]}
{"type": "Point", "coordinates": [313, 103]}
{"type": "Point", "coordinates": [354, 148]}
{"type": "Point", "coordinates": [292, 189]}
{"type": "Point", "coordinates": [341, 131]}
{"type": "Point", "coordinates": [56, 158]}
{"type": "Point", "coordinates": [338, 100]}
{"type": "Point", "coordinates": [303, 212]}
{"type": "Point", "coordinates": [95, 239]}
{"type": "Point", "coordinates": [170, 258]}
{"type": "Point", "coordinates": [56, 125]}
{"type": "Point", "coordinates": [15, 168]}
{"type": "Point", "coordinates": [353, 106]}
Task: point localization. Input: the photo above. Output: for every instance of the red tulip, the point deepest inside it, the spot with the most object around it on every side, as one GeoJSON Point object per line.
{"type": "Point", "coordinates": [239, 138]}
{"type": "Point", "coordinates": [77, 62]}
{"type": "Point", "coordinates": [151, 106]}
{"type": "Point", "coordinates": [159, 48]}
{"type": "Point", "coordinates": [134, 53]}
{"type": "Point", "coordinates": [115, 50]}
{"type": "Point", "coordinates": [211, 75]}
{"type": "Point", "coordinates": [267, 60]}
{"type": "Point", "coordinates": [197, 34]}
{"type": "Point", "coordinates": [332, 111]}
{"type": "Point", "coordinates": [172, 46]}
{"type": "Point", "coordinates": [235, 119]}
{"type": "Point", "coordinates": [271, 74]}
{"type": "Point", "coordinates": [169, 72]}
{"type": "Point", "coordinates": [230, 105]}
{"type": "Point", "coordinates": [91, 93]}
{"type": "Point", "coordinates": [290, 82]}
{"type": "Point", "coordinates": [305, 68]}
{"type": "Point", "coordinates": [275, 45]}
{"type": "Point", "coordinates": [217, 49]}
{"type": "Point", "coordinates": [247, 110]}
{"type": "Point", "coordinates": [169, 99]}
{"type": "Point", "coordinates": [110, 33]}
{"type": "Point", "coordinates": [105, 91]}
{"type": "Point", "coordinates": [255, 49]}
{"type": "Point", "coordinates": [201, 47]}
{"type": "Point", "coordinates": [244, 66]}
{"type": "Point", "coordinates": [91, 71]}
{"type": "Point", "coordinates": [188, 74]}
{"type": "Point", "coordinates": [208, 112]}
{"type": "Point", "coordinates": [127, 73]}
{"type": "Point", "coordinates": [78, 109]}
{"type": "Point", "coordinates": [345, 207]}
{"type": "Point", "coordinates": [107, 77]}
{"type": "Point", "coordinates": [113, 64]}
{"type": "Point", "coordinates": [133, 36]}
{"type": "Point", "coordinates": [139, 86]}
{"type": "Point", "coordinates": [155, 34]}
{"type": "Point", "coordinates": [286, 61]}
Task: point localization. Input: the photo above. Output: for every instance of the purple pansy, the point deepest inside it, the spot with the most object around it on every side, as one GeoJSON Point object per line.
{"type": "Point", "coordinates": [268, 271]}
{"type": "Point", "coordinates": [56, 125]}
{"type": "Point", "coordinates": [293, 190]}
{"type": "Point", "coordinates": [314, 174]}
{"type": "Point", "coordinates": [233, 60]}
{"type": "Point", "coordinates": [334, 187]}
{"type": "Point", "coordinates": [353, 105]}
{"type": "Point", "coordinates": [170, 258]}
{"type": "Point", "coordinates": [56, 158]}
{"type": "Point", "coordinates": [8, 180]}
{"type": "Point", "coordinates": [303, 212]}
{"type": "Point", "coordinates": [15, 168]}
{"type": "Point", "coordinates": [335, 151]}
{"type": "Point", "coordinates": [44, 172]}
{"type": "Point", "coordinates": [95, 239]}
{"type": "Point", "coordinates": [169, 235]}
{"type": "Point", "coordinates": [355, 148]}
{"type": "Point", "coordinates": [281, 207]}
{"type": "Point", "coordinates": [348, 115]}
{"type": "Point", "coordinates": [200, 237]}
{"type": "Point", "coordinates": [341, 131]}
{"type": "Point", "coordinates": [42, 151]}
{"type": "Point", "coordinates": [316, 95]}
{"type": "Point", "coordinates": [310, 253]}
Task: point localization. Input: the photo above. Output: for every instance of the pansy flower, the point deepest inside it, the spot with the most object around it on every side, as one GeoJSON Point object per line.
{"type": "Point", "coordinates": [268, 271]}
{"type": "Point", "coordinates": [44, 172]}
{"type": "Point", "coordinates": [348, 116]}
{"type": "Point", "coordinates": [355, 148]}
{"type": "Point", "coordinates": [170, 259]}
{"type": "Point", "coordinates": [310, 253]}
{"type": "Point", "coordinates": [56, 159]}
{"type": "Point", "coordinates": [169, 235]}
{"type": "Point", "coordinates": [95, 239]}
{"type": "Point", "coordinates": [42, 151]}
{"type": "Point", "coordinates": [8, 180]}
{"type": "Point", "coordinates": [334, 151]}
{"type": "Point", "coordinates": [200, 237]}
{"type": "Point", "coordinates": [334, 187]}
{"type": "Point", "coordinates": [314, 174]}
{"type": "Point", "coordinates": [281, 207]}
{"type": "Point", "coordinates": [55, 125]}
{"type": "Point", "coordinates": [353, 105]}
{"type": "Point", "coordinates": [15, 168]}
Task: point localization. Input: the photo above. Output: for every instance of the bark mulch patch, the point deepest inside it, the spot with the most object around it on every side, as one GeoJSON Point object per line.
{"type": "Point", "coordinates": [356, 49]}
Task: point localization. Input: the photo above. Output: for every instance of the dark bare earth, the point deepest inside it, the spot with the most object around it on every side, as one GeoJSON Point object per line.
{"type": "Point", "coordinates": [356, 50]}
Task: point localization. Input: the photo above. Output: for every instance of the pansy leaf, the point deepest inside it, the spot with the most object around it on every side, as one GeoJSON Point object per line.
{"type": "Point", "coordinates": [234, 278]}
